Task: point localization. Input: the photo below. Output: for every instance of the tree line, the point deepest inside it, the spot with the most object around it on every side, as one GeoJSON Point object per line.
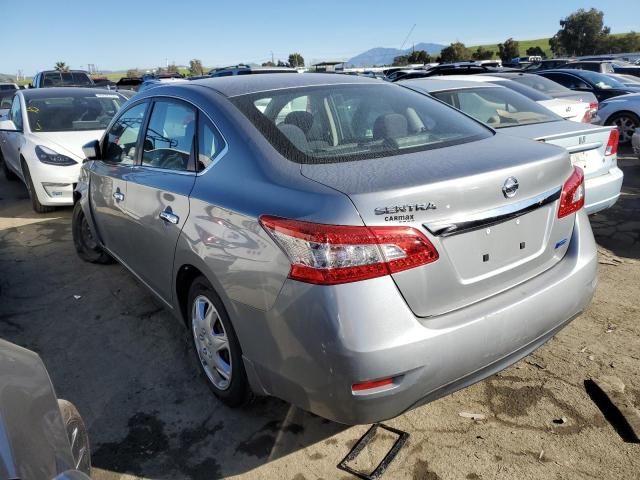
{"type": "Point", "coordinates": [581, 33]}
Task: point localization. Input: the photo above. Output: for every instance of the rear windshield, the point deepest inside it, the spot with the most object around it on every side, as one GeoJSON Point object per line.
{"type": "Point", "coordinates": [528, 92]}
{"type": "Point", "coordinates": [541, 84]}
{"type": "Point", "coordinates": [600, 80]}
{"type": "Point", "coordinates": [73, 112]}
{"type": "Point", "coordinates": [339, 123]}
{"type": "Point", "coordinates": [65, 79]}
{"type": "Point", "coordinates": [497, 107]}
{"type": "Point", "coordinates": [9, 86]}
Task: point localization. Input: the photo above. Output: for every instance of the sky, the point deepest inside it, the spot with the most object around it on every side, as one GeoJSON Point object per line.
{"type": "Point", "coordinates": [118, 35]}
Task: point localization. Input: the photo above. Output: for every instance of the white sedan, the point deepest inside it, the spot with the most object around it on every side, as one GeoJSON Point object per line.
{"type": "Point", "coordinates": [42, 135]}
{"type": "Point", "coordinates": [573, 110]}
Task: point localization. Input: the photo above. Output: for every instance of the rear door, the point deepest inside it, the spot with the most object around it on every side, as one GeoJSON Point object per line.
{"type": "Point", "coordinates": [158, 192]}
{"type": "Point", "coordinates": [108, 183]}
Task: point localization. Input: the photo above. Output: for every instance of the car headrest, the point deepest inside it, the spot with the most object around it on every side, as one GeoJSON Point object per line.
{"type": "Point", "coordinates": [295, 135]}
{"type": "Point", "coordinates": [390, 125]}
{"type": "Point", "coordinates": [302, 120]}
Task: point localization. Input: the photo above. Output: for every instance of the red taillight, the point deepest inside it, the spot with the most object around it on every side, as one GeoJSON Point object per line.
{"type": "Point", "coordinates": [612, 144]}
{"type": "Point", "coordinates": [572, 196]}
{"type": "Point", "coordinates": [593, 106]}
{"type": "Point", "coordinates": [587, 117]}
{"type": "Point", "coordinates": [333, 254]}
{"type": "Point", "coordinates": [359, 387]}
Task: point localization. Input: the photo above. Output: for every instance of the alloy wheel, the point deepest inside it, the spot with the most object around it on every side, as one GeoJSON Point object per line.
{"type": "Point", "coordinates": [626, 126]}
{"type": "Point", "coordinates": [212, 342]}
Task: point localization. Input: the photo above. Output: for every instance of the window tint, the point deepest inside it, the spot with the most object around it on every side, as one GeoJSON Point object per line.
{"type": "Point", "coordinates": [538, 82]}
{"type": "Point", "coordinates": [497, 107]}
{"type": "Point", "coordinates": [568, 81]}
{"type": "Point", "coordinates": [528, 92]}
{"type": "Point", "coordinates": [169, 137]}
{"type": "Point", "coordinates": [16, 112]}
{"type": "Point", "coordinates": [120, 142]}
{"type": "Point", "coordinates": [210, 143]}
{"type": "Point", "coordinates": [339, 123]}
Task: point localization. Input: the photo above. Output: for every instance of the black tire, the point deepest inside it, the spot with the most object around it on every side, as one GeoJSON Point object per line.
{"type": "Point", "coordinates": [87, 247]}
{"type": "Point", "coordinates": [627, 130]}
{"type": "Point", "coordinates": [77, 435]}
{"type": "Point", "coordinates": [238, 392]}
{"type": "Point", "coordinates": [8, 174]}
{"type": "Point", "coordinates": [35, 203]}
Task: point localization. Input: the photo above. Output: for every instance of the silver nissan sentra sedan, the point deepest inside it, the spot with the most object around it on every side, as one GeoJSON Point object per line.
{"type": "Point", "coordinates": [345, 244]}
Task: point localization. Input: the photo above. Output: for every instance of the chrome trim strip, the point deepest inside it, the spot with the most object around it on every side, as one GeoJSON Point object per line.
{"type": "Point", "coordinates": [584, 147]}
{"type": "Point", "coordinates": [487, 218]}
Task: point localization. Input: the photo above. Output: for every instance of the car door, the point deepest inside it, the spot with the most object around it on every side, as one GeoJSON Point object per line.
{"type": "Point", "coordinates": [158, 192]}
{"type": "Point", "coordinates": [12, 141]}
{"type": "Point", "coordinates": [108, 178]}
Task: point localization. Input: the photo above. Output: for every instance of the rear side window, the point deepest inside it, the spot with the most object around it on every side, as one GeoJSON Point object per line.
{"type": "Point", "coordinates": [168, 141]}
{"type": "Point", "coordinates": [538, 82]}
{"type": "Point", "coordinates": [210, 143]}
{"type": "Point", "coordinates": [122, 138]}
{"type": "Point", "coordinates": [339, 123]}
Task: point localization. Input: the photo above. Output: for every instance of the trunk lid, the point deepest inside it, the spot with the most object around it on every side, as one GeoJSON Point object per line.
{"type": "Point", "coordinates": [498, 242]}
{"type": "Point", "coordinates": [573, 110]}
{"type": "Point", "coordinates": [585, 143]}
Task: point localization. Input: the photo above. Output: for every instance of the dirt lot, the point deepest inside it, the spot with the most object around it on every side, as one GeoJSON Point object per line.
{"type": "Point", "coordinates": [127, 365]}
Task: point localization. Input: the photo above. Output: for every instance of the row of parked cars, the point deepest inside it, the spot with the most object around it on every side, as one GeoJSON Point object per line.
{"type": "Point", "coordinates": [332, 240]}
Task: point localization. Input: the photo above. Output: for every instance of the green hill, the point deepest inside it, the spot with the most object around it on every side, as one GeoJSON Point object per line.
{"type": "Point", "coordinates": [543, 43]}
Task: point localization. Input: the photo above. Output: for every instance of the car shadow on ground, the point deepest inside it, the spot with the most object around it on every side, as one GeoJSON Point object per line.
{"type": "Point", "coordinates": [618, 228]}
{"type": "Point", "coordinates": [128, 364]}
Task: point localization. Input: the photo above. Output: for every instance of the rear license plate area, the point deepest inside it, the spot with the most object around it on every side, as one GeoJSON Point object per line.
{"type": "Point", "coordinates": [492, 250]}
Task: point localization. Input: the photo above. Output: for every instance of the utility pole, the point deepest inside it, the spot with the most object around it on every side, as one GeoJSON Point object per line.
{"type": "Point", "coordinates": [408, 35]}
{"type": "Point", "coordinates": [272, 58]}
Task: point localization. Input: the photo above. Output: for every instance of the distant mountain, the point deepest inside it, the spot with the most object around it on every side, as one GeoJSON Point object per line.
{"type": "Point", "coordinates": [5, 77]}
{"type": "Point", "coordinates": [385, 56]}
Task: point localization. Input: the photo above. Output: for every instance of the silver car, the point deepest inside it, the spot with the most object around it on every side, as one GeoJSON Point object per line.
{"type": "Point", "coordinates": [345, 244]}
{"type": "Point", "coordinates": [592, 148]}
{"type": "Point", "coordinates": [624, 112]}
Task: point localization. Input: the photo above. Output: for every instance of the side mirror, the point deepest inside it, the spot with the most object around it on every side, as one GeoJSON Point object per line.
{"type": "Point", "coordinates": [7, 125]}
{"type": "Point", "coordinates": [91, 150]}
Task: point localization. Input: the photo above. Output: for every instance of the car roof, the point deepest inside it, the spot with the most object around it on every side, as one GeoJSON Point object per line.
{"type": "Point", "coordinates": [33, 93]}
{"type": "Point", "coordinates": [437, 84]}
{"type": "Point", "coordinates": [481, 78]}
{"type": "Point", "coordinates": [236, 85]}
{"type": "Point", "coordinates": [66, 71]}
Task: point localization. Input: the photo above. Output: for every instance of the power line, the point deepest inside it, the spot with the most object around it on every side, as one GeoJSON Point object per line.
{"type": "Point", "coordinates": [408, 35]}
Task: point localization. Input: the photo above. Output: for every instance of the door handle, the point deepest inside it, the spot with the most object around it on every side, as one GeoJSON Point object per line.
{"type": "Point", "coordinates": [118, 196]}
{"type": "Point", "coordinates": [170, 217]}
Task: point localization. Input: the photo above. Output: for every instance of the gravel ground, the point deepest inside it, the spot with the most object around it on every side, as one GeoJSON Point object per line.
{"type": "Point", "coordinates": [128, 367]}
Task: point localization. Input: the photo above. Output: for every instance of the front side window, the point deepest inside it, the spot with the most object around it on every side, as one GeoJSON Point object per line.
{"type": "Point", "coordinates": [16, 112]}
{"type": "Point", "coordinates": [120, 143]}
{"type": "Point", "coordinates": [337, 123]}
{"type": "Point", "coordinates": [497, 107]}
{"type": "Point", "coordinates": [568, 81]}
{"type": "Point", "coordinates": [210, 143]}
{"type": "Point", "coordinates": [602, 81]}
{"type": "Point", "coordinates": [69, 112]}
{"type": "Point", "coordinates": [168, 141]}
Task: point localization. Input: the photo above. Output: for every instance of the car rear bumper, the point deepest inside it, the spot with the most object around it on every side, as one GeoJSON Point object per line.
{"type": "Point", "coordinates": [603, 191]}
{"type": "Point", "coordinates": [317, 341]}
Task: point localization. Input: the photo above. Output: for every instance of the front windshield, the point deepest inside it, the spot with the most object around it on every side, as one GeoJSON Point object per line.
{"type": "Point", "coordinates": [496, 106]}
{"type": "Point", "coordinates": [339, 123]}
{"type": "Point", "coordinates": [72, 112]}
{"type": "Point", "coordinates": [541, 84]}
{"type": "Point", "coordinates": [600, 80]}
